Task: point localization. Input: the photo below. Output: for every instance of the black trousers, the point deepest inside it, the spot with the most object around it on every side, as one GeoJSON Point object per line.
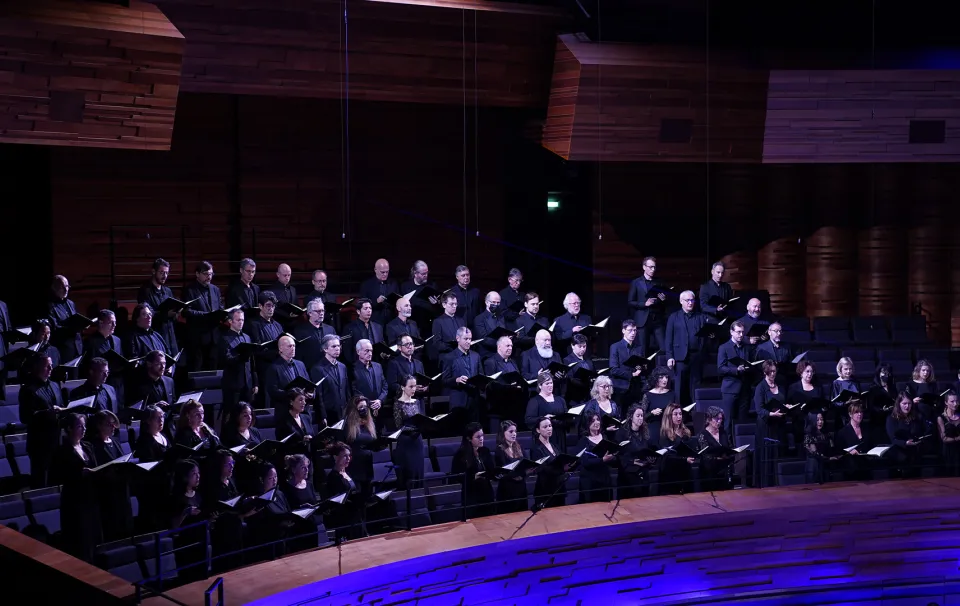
{"type": "Point", "coordinates": [654, 328]}
{"type": "Point", "coordinates": [735, 408]}
{"type": "Point", "coordinates": [687, 378]}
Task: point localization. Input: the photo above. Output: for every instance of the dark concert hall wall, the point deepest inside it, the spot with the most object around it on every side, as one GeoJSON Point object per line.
{"type": "Point", "coordinates": [824, 240]}
{"type": "Point", "coordinates": [263, 177]}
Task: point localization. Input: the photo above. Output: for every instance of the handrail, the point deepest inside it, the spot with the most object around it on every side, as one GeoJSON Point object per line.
{"type": "Point", "coordinates": [218, 586]}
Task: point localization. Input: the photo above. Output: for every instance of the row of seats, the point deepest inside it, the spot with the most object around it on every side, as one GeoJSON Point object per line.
{"type": "Point", "coordinates": [905, 330]}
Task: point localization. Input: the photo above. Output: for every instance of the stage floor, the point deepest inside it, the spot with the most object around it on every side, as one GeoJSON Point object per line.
{"type": "Point", "coordinates": [269, 578]}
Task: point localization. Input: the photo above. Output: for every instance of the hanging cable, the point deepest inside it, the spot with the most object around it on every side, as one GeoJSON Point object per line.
{"type": "Point", "coordinates": [707, 91]}
{"type": "Point", "coordinates": [476, 126]}
{"type": "Point", "coordinates": [599, 127]}
{"type": "Point", "coordinates": [343, 153]}
{"type": "Point", "coordinates": [346, 62]}
{"type": "Point", "coordinates": [463, 81]}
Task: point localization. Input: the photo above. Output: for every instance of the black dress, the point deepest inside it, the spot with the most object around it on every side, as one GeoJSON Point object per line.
{"type": "Point", "coordinates": [652, 401]}
{"type": "Point", "coordinates": [918, 390]}
{"type": "Point", "coordinates": [348, 520]}
{"type": "Point", "coordinates": [477, 492]}
{"type": "Point", "coordinates": [796, 420]}
{"type": "Point", "coordinates": [79, 514]}
{"type": "Point", "coordinates": [676, 474]}
{"type": "Point", "coordinates": [190, 543]}
{"type": "Point", "coordinates": [226, 532]}
{"type": "Point", "coordinates": [816, 445]}
{"type": "Point", "coordinates": [949, 450]}
{"type": "Point", "coordinates": [247, 472]}
{"type": "Point", "coordinates": [715, 468]}
{"type": "Point", "coordinates": [113, 493]}
{"type": "Point", "coordinates": [232, 438]}
{"type": "Point", "coordinates": [306, 530]}
{"type": "Point", "coordinates": [151, 490]}
{"type": "Point", "coordinates": [550, 489]}
{"type": "Point", "coordinates": [596, 485]}
{"type": "Point", "coordinates": [856, 467]}
{"type": "Point", "coordinates": [511, 490]}
{"type": "Point", "coordinates": [539, 407]}
{"type": "Point", "coordinates": [771, 434]}
{"type": "Point", "coordinates": [899, 432]}
{"type": "Point", "coordinates": [408, 452]}
{"type": "Point", "coordinates": [632, 479]}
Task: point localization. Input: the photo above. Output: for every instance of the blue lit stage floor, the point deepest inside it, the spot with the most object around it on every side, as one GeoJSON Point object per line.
{"type": "Point", "coordinates": [837, 543]}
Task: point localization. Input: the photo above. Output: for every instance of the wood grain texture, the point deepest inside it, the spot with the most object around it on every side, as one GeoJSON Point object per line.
{"type": "Point", "coordinates": [929, 250]}
{"type": "Point", "coordinates": [396, 52]}
{"type": "Point", "coordinates": [486, 6]}
{"type": "Point", "coordinates": [781, 259]}
{"type": "Point", "coordinates": [859, 115]}
{"type": "Point", "coordinates": [882, 246]}
{"type": "Point", "coordinates": [613, 110]}
{"type": "Point", "coordinates": [117, 67]}
{"type": "Point", "coordinates": [736, 194]}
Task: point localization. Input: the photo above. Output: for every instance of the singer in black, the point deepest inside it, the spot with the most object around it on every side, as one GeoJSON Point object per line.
{"type": "Point", "coordinates": [470, 461]}
{"type": "Point", "coordinates": [632, 481]}
{"type": "Point", "coordinates": [735, 387]}
{"type": "Point", "coordinates": [771, 425]}
{"type": "Point", "coordinates": [646, 301]}
{"type": "Point", "coordinates": [550, 489]}
{"type": "Point", "coordinates": [595, 482]}
{"type": "Point", "coordinates": [511, 490]}
{"type": "Point", "coordinates": [715, 462]}
{"type": "Point", "coordinates": [685, 349]}
{"type": "Point", "coordinates": [905, 430]}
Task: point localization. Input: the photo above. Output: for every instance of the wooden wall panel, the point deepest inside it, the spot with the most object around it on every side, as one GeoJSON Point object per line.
{"type": "Point", "coordinates": [624, 91]}
{"type": "Point", "coordinates": [929, 250]}
{"type": "Point", "coordinates": [421, 54]}
{"type": "Point", "coordinates": [735, 209]}
{"type": "Point", "coordinates": [88, 74]}
{"type": "Point", "coordinates": [882, 246]}
{"type": "Point", "coordinates": [859, 115]}
{"type": "Point", "coordinates": [781, 259]}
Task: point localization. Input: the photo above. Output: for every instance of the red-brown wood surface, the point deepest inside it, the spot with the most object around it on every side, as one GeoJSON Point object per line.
{"type": "Point", "coordinates": [781, 259]}
{"type": "Point", "coordinates": [117, 68]}
{"type": "Point", "coordinates": [883, 245]}
{"type": "Point", "coordinates": [929, 249]}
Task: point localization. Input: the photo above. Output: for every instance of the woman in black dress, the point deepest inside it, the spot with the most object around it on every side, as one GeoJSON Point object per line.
{"type": "Point", "coordinates": [550, 489]}
{"type": "Point", "coordinates": [855, 435]}
{"type": "Point", "coordinates": [241, 431]}
{"type": "Point", "coordinates": [676, 472]}
{"type": "Point", "coordinates": [273, 522]}
{"type": "Point", "coordinates": [360, 434]}
{"type": "Point", "coordinates": [469, 463]}
{"type": "Point", "coordinates": [771, 425]}
{"type": "Point", "coordinates": [546, 404]}
{"type": "Point", "coordinates": [511, 489]}
{"type": "Point", "coordinates": [602, 403]}
{"type": "Point", "coordinates": [185, 507]}
{"type": "Point", "coordinates": [658, 395]}
{"type": "Point", "coordinates": [820, 455]}
{"type": "Point", "coordinates": [948, 423]}
{"type": "Point", "coordinates": [904, 430]}
{"type": "Point", "coordinates": [632, 480]}
{"type": "Point", "coordinates": [79, 513]}
{"type": "Point", "coordinates": [192, 431]}
{"type": "Point", "coordinates": [226, 532]}
{"type": "Point", "coordinates": [151, 444]}
{"type": "Point", "coordinates": [151, 490]}
{"type": "Point", "coordinates": [113, 490]}
{"type": "Point", "coordinates": [922, 388]}
{"type": "Point", "coordinates": [715, 462]}
{"type": "Point", "coordinates": [408, 453]}
{"type": "Point", "coordinates": [349, 520]}
{"type": "Point", "coordinates": [595, 480]}
{"type": "Point", "coordinates": [879, 403]}
{"type": "Point", "coordinates": [801, 393]}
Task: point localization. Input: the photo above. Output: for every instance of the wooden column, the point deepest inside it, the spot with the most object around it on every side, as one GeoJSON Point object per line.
{"type": "Point", "coordinates": [832, 247]}
{"type": "Point", "coordinates": [882, 244]}
{"type": "Point", "coordinates": [928, 257]}
{"type": "Point", "coordinates": [782, 256]}
{"type": "Point", "coordinates": [735, 188]}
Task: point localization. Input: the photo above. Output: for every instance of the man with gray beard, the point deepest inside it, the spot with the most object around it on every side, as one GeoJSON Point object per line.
{"type": "Point", "coordinates": [537, 360]}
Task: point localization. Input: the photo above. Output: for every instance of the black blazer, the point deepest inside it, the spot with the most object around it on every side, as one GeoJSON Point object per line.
{"type": "Point", "coordinates": [732, 382]}
{"type": "Point", "coordinates": [620, 352]}
{"type": "Point", "coordinates": [399, 366]}
{"type": "Point", "coordinates": [105, 397]}
{"type": "Point", "coordinates": [712, 289]}
{"type": "Point", "coordinates": [677, 339]}
{"type": "Point", "coordinates": [637, 299]}
{"type": "Point", "coordinates": [162, 324]}
{"type": "Point", "coordinates": [768, 351]}
{"type": "Point", "coordinates": [395, 328]}
{"type": "Point", "coordinates": [565, 323]}
{"type": "Point", "coordinates": [469, 303]}
{"type": "Point", "coordinates": [336, 390]}
{"type": "Point", "coordinates": [246, 296]}
{"type": "Point", "coordinates": [199, 329]}
{"type": "Point", "coordinates": [358, 331]}
{"type": "Point", "coordinates": [457, 364]}
{"type": "Point", "coordinates": [531, 363]}
{"type": "Point", "coordinates": [308, 339]}
{"type": "Point", "coordinates": [287, 426]}
{"type": "Point", "coordinates": [373, 289]}
{"type": "Point", "coordinates": [278, 375]}
{"type": "Point", "coordinates": [237, 369]}
{"type": "Point", "coordinates": [372, 383]}
{"type": "Point", "coordinates": [483, 325]}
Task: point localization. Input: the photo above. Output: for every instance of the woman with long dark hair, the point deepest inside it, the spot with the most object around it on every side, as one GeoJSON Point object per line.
{"type": "Point", "coordinates": [595, 480]}
{"type": "Point", "coordinates": [511, 489]}
{"type": "Point", "coordinates": [470, 462]}
{"type": "Point", "coordinates": [632, 480]}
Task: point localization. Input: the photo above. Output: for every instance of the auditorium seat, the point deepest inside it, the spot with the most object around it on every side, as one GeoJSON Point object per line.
{"type": "Point", "coordinates": [791, 472]}
{"type": "Point", "coordinates": [6, 471]}
{"type": "Point", "coordinates": [43, 506]}
{"type": "Point", "coordinates": [13, 512]}
{"type": "Point", "coordinates": [860, 354]}
{"type": "Point", "coordinates": [419, 512]}
{"type": "Point", "coordinates": [831, 323]}
{"type": "Point", "coordinates": [147, 554]}
{"type": "Point", "coordinates": [835, 338]}
{"type": "Point", "coordinates": [120, 560]}
{"type": "Point", "coordinates": [870, 329]}
{"type": "Point", "coordinates": [795, 325]}
{"type": "Point", "coordinates": [909, 330]}
{"type": "Point", "coordinates": [444, 503]}
{"type": "Point", "coordinates": [264, 418]}
{"type": "Point", "coordinates": [17, 452]}
{"type": "Point", "coordinates": [11, 394]}
{"type": "Point", "coordinates": [823, 358]}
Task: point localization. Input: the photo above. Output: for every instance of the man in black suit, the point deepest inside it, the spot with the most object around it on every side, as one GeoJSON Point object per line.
{"type": "Point", "coordinates": [537, 359]}
{"type": "Point", "coordinates": [715, 287]}
{"type": "Point", "coordinates": [445, 329]}
{"type": "Point", "coordinates": [362, 328]}
{"type": "Point", "coordinates": [201, 331]}
{"type": "Point", "coordinates": [458, 367]}
{"type": "Point", "coordinates": [104, 396]}
{"type": "Point", "coordinates": [621, 375]}
{"type": "Point", "coordinates": [262, 328]}
{"type": "Point", "coordinates": [647, 306]}
{"type": "Point", "coordinates": [510, 399]}
{"type": "Point", "coordinates": [243, 291]}
{"type": "Point", "coordinates": [402, 324]}
{"type": "Point", "coordinates": [368, 378]}
{"type": "Point", "coordinates": [153, 385]}
{"type": "Point", "coordinates": [578, 391]}
{"type": "Point", "coordinates": [735, 386]}
{"type": "Point", "coordinates": [99, 343]}
{"type": "Point", "coordinates": [5, 326]}
{"type": "Point", "coordinates": [239, 382]}
{"type": "Point", "coordinates": [573, 321]}
{"type": "Point", "coordinates": [774, 348]}
{"type": "Point", "coordinates": [154, 293]}
{"type": "Point", "coordinates": [59, 309]}
{"type": "Point", "coordinates": [378, 289]}
{"type": "Point", "coordinates": [405, 364]}
{"type": "Point", "coordinates": [40, 399]}
{"type": "Point", "coordinates": [685, 349]}
{"type": "Point", "coordinates": [424, 307]}
{"type": "Point", "coordinates": [468, 299]}
{"type": "Point", "coordinates": [487, 322]}
{"type": "Point", "coordinates": [511, 294]}
{"type": "Point", "coordinates": [280, 373]}
{"type": "Point", "coordinates": [309, 334]}
{"type": "Point", "coordinates": [335, 390]}
{"type": "Point", "coordinates": [284, 292]}
{"type": "Point", "coordinates": [755, 317]}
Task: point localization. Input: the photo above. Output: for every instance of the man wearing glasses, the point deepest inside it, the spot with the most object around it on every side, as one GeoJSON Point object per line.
{"type": "Point", "coordinates": [645, 301]}
{"type": "Point", "coordinates": [262, 328]}
{"type": "Point", "coordinates": [775, 349]}
{"type": "Point", "coordinates": [684, 348]}
{"type": "Point", "coordinates": [404, 364]}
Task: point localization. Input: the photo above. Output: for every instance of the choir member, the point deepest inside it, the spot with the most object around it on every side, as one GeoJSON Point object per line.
{"type": "Point", "coordinates": [243, 291]}
{"type": "Point", "coordinates": [715, 287]}
{"type": "Point", "coordinates": [753, 317]}
{"type": "Point", "coordinates": [40, 401]}
{"type": "Point", "coordinates": [185, 507]}
{"type": "Point", "coordinates": [39, 336]}
{"type": "Point", "coordinates": [340, 481]}
{"type": "Point", "coordinates": [880, 399]}
{"type": "Point", "coordinates": [59, 310]}
{"type": "Point", "coordinates": [595, 480]}
{"type": "Point", "coordinates": [715, 462]}
{"type": "Point", "coordinates": [469, 463]}
{"type": "Point", "coordinates": [657, 396]}
{"type": "Point", "coordinates": [311, 333]}
{"type": "Point", "coordinates": [457, 368]}
{"type": "Point", "coordinates": [295, 420]}
{"type": "Point", "coordinates": [264, 328]}
{"type": "Point", "coordinates": [468, 299]}
{"type": "Point", "coordinates": [445, 328]}
{"type": "Point", "coordinates": [362, 328]}
{"type": "Point", "coordinates": [647, 305]}
{"type": "Point", "coordinates": [154, 292]}
{"type": "Point", "coordinates": [572, 322]}
{"type": "Point", "coordinates": [335, 390]}
{"type": "Point", "coordinates": [676, 471]}
{"type": "Point", "coordinates": [506, 396]}
{"type": "Point", "coordinates": [602, 402]}
{"type": "Point", "coordinates": [921, 387]}
{"type": "Point", "coordinates": [632, 478]}
{"type": "Point", "coordinates": [684, 348]}
{"type": "Point", "coordinates": [113, 494]}
{"type": "Point", "coordinates": [319, 281]}
{"type": "Point", "coordinates": [152, 384]}
{"type": "Point", "coordinates": [282, 372]}
{"type": "Point", "coordinates": [241, 431]}
{"type": "Point", "coordinates": [360, 431]}
{"type": "Point", "coordinates": [402, 324]}
{"type": "Point", "coordinates": [905, 430]}
{"type": "Point", "coordinates": [536, 361]}
{"type": "Point", "coordinates": [547, 405]}
{"type": "Point", "coordinates": [774, 348]}
{"type": "Point", "coordinates": [853, 435]}
{"type": "Point", "coordinates": [239, 382]}
{"type": "Point", "coordinates": [818, 450]}
{"type": "Point", "coordinates": [191, 430]}
{"type": "Point", "coordinates": [70, 468]}
{"type": "Point", "coordinates": [578, 391]}
{"type": "Point", "coordinates": [104, 395]}
{"type": "Point", "coordinates": [424, 309]}
{"type": "Point", "coordinates": [274, 522]}
{"type": "Point", "coordinates": [527, 320]}
{"type": "Point", "coordinates": [297, 490]}
{"type": "Point", "coordinates": [734, 387]}
{"type": "Point", "coordinates": [282, 289]}
{"type": "Point", "coordinates": [502, 361]}
{"type": "Point", "coordinates": [802, 392]}
{"type": "Point", "coordinates": [623, 376]}
{"type": "Point", "coordinates": [771, 425]}
{"type": "Point", "coordinates": [511, 489]}
{"type": "Point", "coordinates": [486, 322]}
{"type": "Point", "coordinates": [142, 339]}
{"type": "Point", "coordinates": [378, 289]}
{"type": "Point", "coordinates": [227, 529]}
{"type": "Point", "coordinates": [99, 343]}
{"type": "Point", "coordinates": [948, 424]}
{"type": "Point", "coordinates": [151, 444]}
{"type": "Point", "coordinates": [408, 453]}
{"type": "Point", "coordinates": [510, 295]}
{"type": "Point", "coordinates": [5, 326]}
{"type": "Point", "coordinates": [201, 332]}
{"type": "Point", "coordinates": [844, 381]}
{"type": "Point", "coordinates": [368, 378]}
{"type": "Point", "coordinates": [404, 364]}
{"type": "Point", "coordinates": [185, 499]}
{"type": "Point", "coordinates": [551, 487]}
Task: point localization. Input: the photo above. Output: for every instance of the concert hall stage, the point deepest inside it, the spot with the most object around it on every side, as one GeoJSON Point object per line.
{"type": "Point", "coordinates": [860, 539]}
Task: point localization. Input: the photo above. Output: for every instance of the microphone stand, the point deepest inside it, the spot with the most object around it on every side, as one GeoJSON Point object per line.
{"type": "Point", "coordinates": [538, 506]}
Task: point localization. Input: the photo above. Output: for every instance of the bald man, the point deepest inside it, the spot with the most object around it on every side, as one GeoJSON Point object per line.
{"type": "Point", "coordinates": [685, 350]}
{"type": "Point", "coordinates": [486, 322]}
{"type": "Point", "coordinates": [754, 316]}
{"type": "Point", "coordinates": [285, 292]}
{"type": "Point", "coordinates": [378, 289]}
{"type": "Point", "coordinates": [59, 309]}
{"type": "Point", "coordinates": [280, 373]}
{"type": "Point", "coordinates": [536, 360]}
{"type": "Point", "coordinates": [403, 323]}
